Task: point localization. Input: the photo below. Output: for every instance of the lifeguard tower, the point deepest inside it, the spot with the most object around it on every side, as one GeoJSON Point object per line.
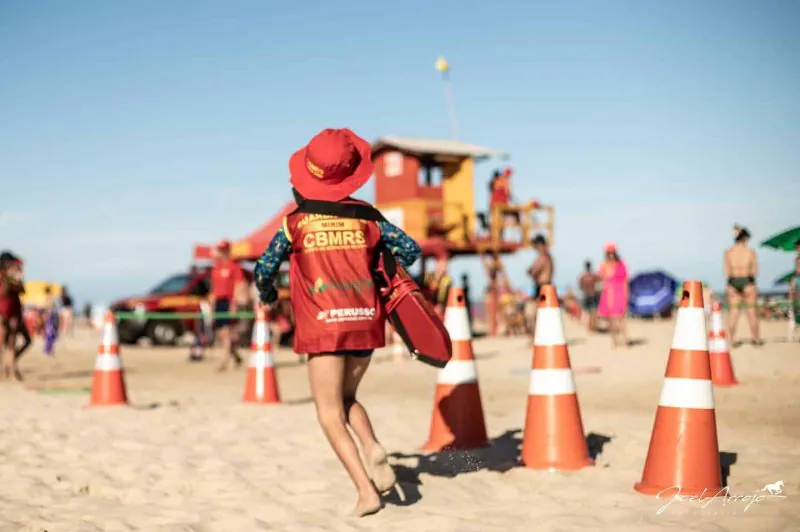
{"type": "Point", "coordinates": [427, 188]}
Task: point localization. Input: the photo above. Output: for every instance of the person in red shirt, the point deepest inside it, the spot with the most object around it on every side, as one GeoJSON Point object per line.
{"type": "Point", "coordinates": [500, 198]}
{"type": "Point", "coordinates": [339, 316]}
{"type": "Point", "coordinates": [225, 276]}
{"type": "Point", "coordinates": [12, 323]}
{"type": "Point", "coordinates": [6, 336]}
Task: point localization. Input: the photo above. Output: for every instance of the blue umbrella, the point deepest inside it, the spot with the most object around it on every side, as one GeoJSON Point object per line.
{"type": "Point", "coordinates": [651, 293]}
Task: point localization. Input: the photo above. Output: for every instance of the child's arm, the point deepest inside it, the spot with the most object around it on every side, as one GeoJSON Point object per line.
{"type": "Point", "coordinates": [402, 246]}
{"type": "Point", "coordinates": [268, 266]}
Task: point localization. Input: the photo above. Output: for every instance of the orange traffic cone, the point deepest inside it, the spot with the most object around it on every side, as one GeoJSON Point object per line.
{"type": "Point", "coordinates": [718, 352]}
{"type": "Point", "coordinates": [457, 421]}
{"type": "Point", "coordinates": [261, 386]}
{"type": "Point", "coordinates": [108, 382]}
{"type": "Point", "coordinates": [553, 437]}
{"type": "Point", "coordinates": [684, 453]}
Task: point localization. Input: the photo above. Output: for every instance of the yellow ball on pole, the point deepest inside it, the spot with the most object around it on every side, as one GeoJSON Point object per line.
{"type": "Point", "coordinates": [442, 66]}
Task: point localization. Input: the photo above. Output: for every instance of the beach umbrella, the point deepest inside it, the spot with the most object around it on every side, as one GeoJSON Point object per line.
{"type": "Point", "coordinates": [785, 240]}
{"type": "Point", "coordinates": [651, 293]}
{"type": "Point", "coordinates": [785, 278]}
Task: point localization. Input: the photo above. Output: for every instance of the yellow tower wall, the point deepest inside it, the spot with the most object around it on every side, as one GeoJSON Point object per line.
{"type": "Point", "coordinates": [459, 198]}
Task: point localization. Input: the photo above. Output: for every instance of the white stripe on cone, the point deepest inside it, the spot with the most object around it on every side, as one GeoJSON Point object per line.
{"type": "Point", "coordinates": [687, 393]}
{"type": "Point", "coordinates": [718, 345]}
{"type": "Point", "coordinates": [260, 334]}
{"type": "Point", "coordinates": [260, 359]}
{"type": "Point", "coordinates": [110, 336]}
{"type": "Point", "coordinates": [690, 330]}
{"type": "Point", "coordinates": [551, 382]}
{"type": "Point", "coordinates": [457, 323]}
{"type": "Point", "coordinates": [107, 363]}
{"type": "Point", "coordinates": [716, 322]}
{"type": "Point", "coordinates": [549, 327]}
{"type": "Point", "coordinates": [458, 372]}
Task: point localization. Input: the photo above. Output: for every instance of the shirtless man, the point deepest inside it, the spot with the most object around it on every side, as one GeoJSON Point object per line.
{"type": "Point", "coordinates": [741, 269]}
{"type": "Point", "coordinates": [794, 291]}
{"type": "Point", "coordinates": [541, 272]}
{"type": "Point", "coordinates": [588, 284]}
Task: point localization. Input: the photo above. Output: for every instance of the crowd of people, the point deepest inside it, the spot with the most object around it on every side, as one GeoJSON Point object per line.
{"type": "Point", "coordinates": [54, 317]}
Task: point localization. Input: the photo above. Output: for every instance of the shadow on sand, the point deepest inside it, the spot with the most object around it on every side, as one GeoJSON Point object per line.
{"type": "Point", "coordinates": [76, 374]}
{"type": "Point", "coordinates": [726, 460]}
{"type": "Point", "coordinates": [502, 455]}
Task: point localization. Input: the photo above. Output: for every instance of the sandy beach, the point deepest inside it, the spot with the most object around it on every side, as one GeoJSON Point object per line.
{"type": "Point", "coordinates": [188, 455]}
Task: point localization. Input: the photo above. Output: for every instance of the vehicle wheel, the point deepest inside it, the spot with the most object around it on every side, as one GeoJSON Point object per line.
{"type": "Point", "coordinates": [127, 336]}
{"type": "Point", "coordinates": [163, 333]}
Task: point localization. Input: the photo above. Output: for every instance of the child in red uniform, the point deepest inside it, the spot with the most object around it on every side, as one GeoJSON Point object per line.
{"type": "Point", "coordinates": [339, 319]}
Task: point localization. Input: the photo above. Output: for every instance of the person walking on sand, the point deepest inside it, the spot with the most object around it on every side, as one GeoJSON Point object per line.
{"type": "Point", "coordinates": [338, 328]}
{"type": "Point", "coordinates": [50, 315]}
{"type": "Point", "coordinates": [794, 290]}
{"type": "Point", "coordinates": [588, 284]}
{"type": "Point", "coordinates": [741, 268]}
{"type": "Point", "coordinates": [67, 313]}
{"type": "Point", "coordinates": [467, 297]}
{"type": "Point", "coordinates": [7, 335]}
{"type": "Point", "coordinates": [614, 296]}
{"type": "Point", "coordinates": [226, 275]}
{"type": "Point", "coordinates": [13, 323]}
{"type": "Point", "coordinates": [541, 272]}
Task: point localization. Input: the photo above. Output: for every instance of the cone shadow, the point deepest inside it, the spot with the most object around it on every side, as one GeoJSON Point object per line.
{"type": "Point", "coordinates": [501, 455]}
{"type": "Point", "coordinates": [726, 461]}
{"type": "Point", "coordinates": [77, 374]}
{"type": "Point", "coordinates": [595, 442]}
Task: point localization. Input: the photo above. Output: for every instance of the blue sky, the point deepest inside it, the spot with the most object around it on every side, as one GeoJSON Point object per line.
{"type": "Point", "coordinates": [131, 130]}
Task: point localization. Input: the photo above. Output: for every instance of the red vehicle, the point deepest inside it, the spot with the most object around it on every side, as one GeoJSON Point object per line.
{"type": "Point", "coordinates": [179, 293]}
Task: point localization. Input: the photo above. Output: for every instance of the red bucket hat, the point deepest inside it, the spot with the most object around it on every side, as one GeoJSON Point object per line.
{"type": "Point", "coordinates": [335, 164]}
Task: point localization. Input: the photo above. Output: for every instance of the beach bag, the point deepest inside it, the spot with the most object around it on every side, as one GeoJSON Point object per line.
{"type": "Point", "coordinates": [407, 308]}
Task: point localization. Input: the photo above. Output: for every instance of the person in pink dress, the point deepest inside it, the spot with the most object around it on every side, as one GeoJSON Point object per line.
{"type": "Point", "coordinates": [614, 297]}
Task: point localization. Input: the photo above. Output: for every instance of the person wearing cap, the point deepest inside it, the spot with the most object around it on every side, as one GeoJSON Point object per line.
{"type": "Point", "coordinates": [614, 295]}
{"type": "Point", "coordinates": [226, 275]}
{"type": "Point", "coordinates": [339, 318]}
{"type": "Point", "coordinates": [740, 264]}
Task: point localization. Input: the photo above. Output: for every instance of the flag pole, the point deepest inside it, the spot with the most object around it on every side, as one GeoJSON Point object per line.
{"type": "Point", "coordinates": [443, 67]}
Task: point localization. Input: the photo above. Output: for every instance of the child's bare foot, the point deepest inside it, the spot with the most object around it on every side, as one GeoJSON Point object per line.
{"type": "Point", "coordinates": [368, 504]}
{"type": "Point", "coordinates": [17, 375]}
{"type": "Point", "coordinates": [379, 469]}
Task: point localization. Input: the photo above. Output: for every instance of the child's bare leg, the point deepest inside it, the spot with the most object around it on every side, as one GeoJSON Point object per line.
{"type": "Point", "coordinates": [326, 377]}
{"type": "Point", "coordinates": [374, 453]}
